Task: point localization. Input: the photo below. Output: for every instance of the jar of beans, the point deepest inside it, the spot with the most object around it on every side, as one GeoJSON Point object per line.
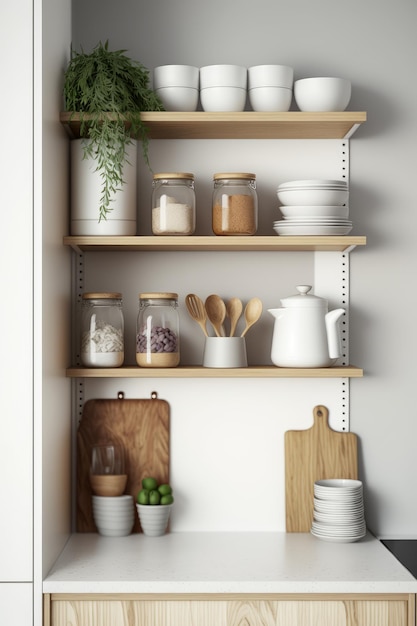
{"type": "Point", "coordinates": [235, 204]}
{"type": "Point", "coordinates": [102, 330]}
{"type": "Point", "coordinates": [157, 330]}
{"type": "Point", "coordinates": [173, 204]}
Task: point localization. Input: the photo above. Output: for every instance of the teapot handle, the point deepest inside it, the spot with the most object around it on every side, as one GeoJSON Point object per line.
{"type": "Point", "coordinates": [333, 333]}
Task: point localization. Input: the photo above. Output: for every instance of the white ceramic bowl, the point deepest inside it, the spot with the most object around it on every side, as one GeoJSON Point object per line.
{"type": "Point", "coordinates": [313, 196]}
{"type": "Point", "coordinates": [178, 98]}
{"type": "Point", "coordinates": [270, 76]}
{"type": "Point", "coordinates": [223, 76]}
{"type": "Point", "coordinates": [223, 99]}
{"type": "Point", "coordinates": [270, 98]}
{"type": "Point", "coordinates": [338, 211]}
{"type": "Point", "coordinates": [176, 76]}
{"type": "Point", "coordinates": [322, 94]}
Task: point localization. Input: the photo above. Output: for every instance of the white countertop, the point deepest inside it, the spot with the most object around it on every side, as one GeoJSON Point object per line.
{"type": "Point", "coordinates": [185, 563]}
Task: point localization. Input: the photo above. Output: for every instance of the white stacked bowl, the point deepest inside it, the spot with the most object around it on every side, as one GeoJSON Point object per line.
{"type": "Point", "coordinates": [338, 510]}
{"type": "Point", "coordinates": [270, 87]}
{"type": "Point", "coordinates": [114, 516]}
{"type": "Point", "coordinates": [177, 86]}
{"type": "Point", "coordinates": [319, 192]}
{"type": "Point", "coordinates": [223, 87]}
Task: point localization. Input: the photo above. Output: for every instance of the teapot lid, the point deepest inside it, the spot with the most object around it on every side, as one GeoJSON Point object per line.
{"type": "Point", "coordinates": [304, 299]}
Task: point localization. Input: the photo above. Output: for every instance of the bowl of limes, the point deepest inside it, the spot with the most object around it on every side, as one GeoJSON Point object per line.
{"type": "Point", "coordinates": [154, 503]}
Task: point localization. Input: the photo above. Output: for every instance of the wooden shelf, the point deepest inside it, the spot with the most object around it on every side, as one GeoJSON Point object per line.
{"type": "Point", "coordinates": [273, 243]}
{"type": "Point", "coordinates": [259, 371]}
{"type": "Point", "coordinates": [245, 125]}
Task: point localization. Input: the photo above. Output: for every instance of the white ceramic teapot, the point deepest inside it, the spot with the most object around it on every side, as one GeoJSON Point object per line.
{"type": "Point", "coordinates": [305, 333]}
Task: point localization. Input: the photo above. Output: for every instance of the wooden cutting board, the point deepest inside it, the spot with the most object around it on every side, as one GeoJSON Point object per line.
{"type": "Point", "coordinates": [141, 426]}
{"type": "Point", "coordinates": [313, 454]}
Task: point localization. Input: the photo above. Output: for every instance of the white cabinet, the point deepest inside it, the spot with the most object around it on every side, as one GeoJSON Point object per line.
{"type": "Point", "coordinates": [16, 173]}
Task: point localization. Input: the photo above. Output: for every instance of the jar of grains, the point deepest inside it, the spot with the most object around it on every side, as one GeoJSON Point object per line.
{"type": "Point", "coordinates": [173, 204]}
{"type": "Point", "coordinates": [157, 330]}
{"type": "Point", "coordinates": [235, 204]}
{"type": "Point", "coordinates": [102, 330]}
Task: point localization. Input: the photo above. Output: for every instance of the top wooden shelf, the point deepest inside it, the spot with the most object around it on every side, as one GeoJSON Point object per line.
{"type": "Point", "coordinates": [245, 125]}
{"type": "Point", "coordinates": [211, 243]}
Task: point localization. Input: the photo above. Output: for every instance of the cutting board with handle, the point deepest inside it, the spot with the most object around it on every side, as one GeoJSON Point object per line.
{"type": "Point", "coordinates": [314, 454]}
{"type": "Point", "coordinates": [141, 426]}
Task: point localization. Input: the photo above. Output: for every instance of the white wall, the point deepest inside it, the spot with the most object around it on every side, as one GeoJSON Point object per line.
{"type": "Point", "coordinates": [373, 44]}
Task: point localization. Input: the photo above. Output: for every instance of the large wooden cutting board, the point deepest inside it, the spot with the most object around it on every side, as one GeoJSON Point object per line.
{"type": "Point", "coordinates": [141, 427]}
{"type": "Point", "coordinates": [313, 454]}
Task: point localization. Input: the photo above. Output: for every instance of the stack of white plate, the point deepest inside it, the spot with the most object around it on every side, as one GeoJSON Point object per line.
{"type": "Point", "coordinates": [313, 207]}
{"type": "Point", "coordinates": [338, 510]}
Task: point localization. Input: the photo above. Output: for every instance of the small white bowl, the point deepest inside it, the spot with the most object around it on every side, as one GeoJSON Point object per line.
{"type": "Point", "coordinates": [223, 76]}
{"type": "Point", "coordinates": [176, 76]}
{"type": "Point", "coordinates": [314, 210]}
{"type": "Point", "coordinates": [178, 98]}
{"type": "Point", "coordinates": [223, 98]}
{"type": "Point", "coordinates": [270, 98]}
{"type": "Point", "coordinates": [322, 94]}
{"type": "Point", "coordinates": [313, 197]}
{"type": "Point", "coordinates": [270, 76]}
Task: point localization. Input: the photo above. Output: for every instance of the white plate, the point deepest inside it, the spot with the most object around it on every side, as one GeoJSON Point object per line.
{"type": "Point", "coordinates": [339, 483]}
{"type": "Point", "coordinates": [312, 230]}
{"type": "Point", "coordinates": [313, 184]}
{"type": "Point", "coordinates": [314, 210]}
{"type": "Point", "coordinates": [316, 220]}
{"type": "Point", "coordinates": [333, 518]}
{"type": "Point", "coordinates": [338, 539]}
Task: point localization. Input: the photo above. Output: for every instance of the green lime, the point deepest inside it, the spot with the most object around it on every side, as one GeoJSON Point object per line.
{"type": "Point", "coordinates": [154, 496]}
{"type": "Point", "coordinates": [143, 496]}
{"type": "Point", "coordinates": [168, 499]}
{"type": "Point", "coordinates": [149, 483]}
{"type": "Point", "coordinates": [165, 490]}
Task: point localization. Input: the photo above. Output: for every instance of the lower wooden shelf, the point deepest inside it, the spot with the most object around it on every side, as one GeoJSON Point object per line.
{"type": "Point", "coordinates": [191, 371]}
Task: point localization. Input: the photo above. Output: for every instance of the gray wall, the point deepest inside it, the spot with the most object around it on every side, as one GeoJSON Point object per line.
{"type": "Point", "coordinates": [373, 43]}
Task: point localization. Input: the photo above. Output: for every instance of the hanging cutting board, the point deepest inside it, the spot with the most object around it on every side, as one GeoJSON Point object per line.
{"type": "Point", "coordinates": [141, 427]}
{"type": "Point", "coordinates": [313, 454]}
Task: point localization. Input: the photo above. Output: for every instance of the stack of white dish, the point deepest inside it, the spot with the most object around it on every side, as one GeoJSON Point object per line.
{"type": "Point", "coordinates": [338, 510]}
{"type": "Point", "coordinates": [114, 516]}
{"type": "Point", "coordinates": [313, 207]}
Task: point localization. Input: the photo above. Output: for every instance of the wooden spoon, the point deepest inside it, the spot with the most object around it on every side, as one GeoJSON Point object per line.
{"type": "Point", "coordinates": [196, 309]}
{"type": "Point", "coordinates": [233, 311]}
{"type": "Point", "coordinates": [216, 312]}
{"type": "Point", "coordinates": [253, 311]}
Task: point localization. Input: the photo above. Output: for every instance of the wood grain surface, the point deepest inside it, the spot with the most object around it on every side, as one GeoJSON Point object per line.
{"type": "Point", "coordinates": [313, 454]}
{"type": "Point", "coordinates": [141, 426]}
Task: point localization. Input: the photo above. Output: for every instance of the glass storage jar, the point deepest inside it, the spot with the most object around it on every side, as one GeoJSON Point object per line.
{"type": "Point", "coordinates": [102, 330]}
{"type": "Point", "coordinates": [157, 330]}
{"type": "Point", "coordinates": [235, 204]}
{"type": "Point", "coordinates": [173, 204]}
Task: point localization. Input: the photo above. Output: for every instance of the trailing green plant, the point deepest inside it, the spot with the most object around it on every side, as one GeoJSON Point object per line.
{"type": "Point", "coordinates": [109, 91]}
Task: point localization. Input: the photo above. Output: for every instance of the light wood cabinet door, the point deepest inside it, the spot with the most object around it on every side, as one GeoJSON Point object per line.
{"type": "Point", "coordinates": [318, 610]}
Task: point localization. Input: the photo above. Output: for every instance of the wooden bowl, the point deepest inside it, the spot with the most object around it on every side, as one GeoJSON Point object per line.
{"type": "Point", "coordinates": [108, 485]}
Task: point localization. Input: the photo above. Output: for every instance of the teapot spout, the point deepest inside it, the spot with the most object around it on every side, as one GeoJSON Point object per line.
{"type": "Point", "coordinates": [333, 333]}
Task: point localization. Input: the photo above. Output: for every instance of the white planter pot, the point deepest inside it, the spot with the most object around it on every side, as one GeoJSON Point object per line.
{"type": "Point", "coordinates": [86, 186]}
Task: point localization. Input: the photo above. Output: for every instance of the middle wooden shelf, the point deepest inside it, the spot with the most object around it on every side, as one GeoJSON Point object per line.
{"type": "Point", "coordinates": [196, 371]}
